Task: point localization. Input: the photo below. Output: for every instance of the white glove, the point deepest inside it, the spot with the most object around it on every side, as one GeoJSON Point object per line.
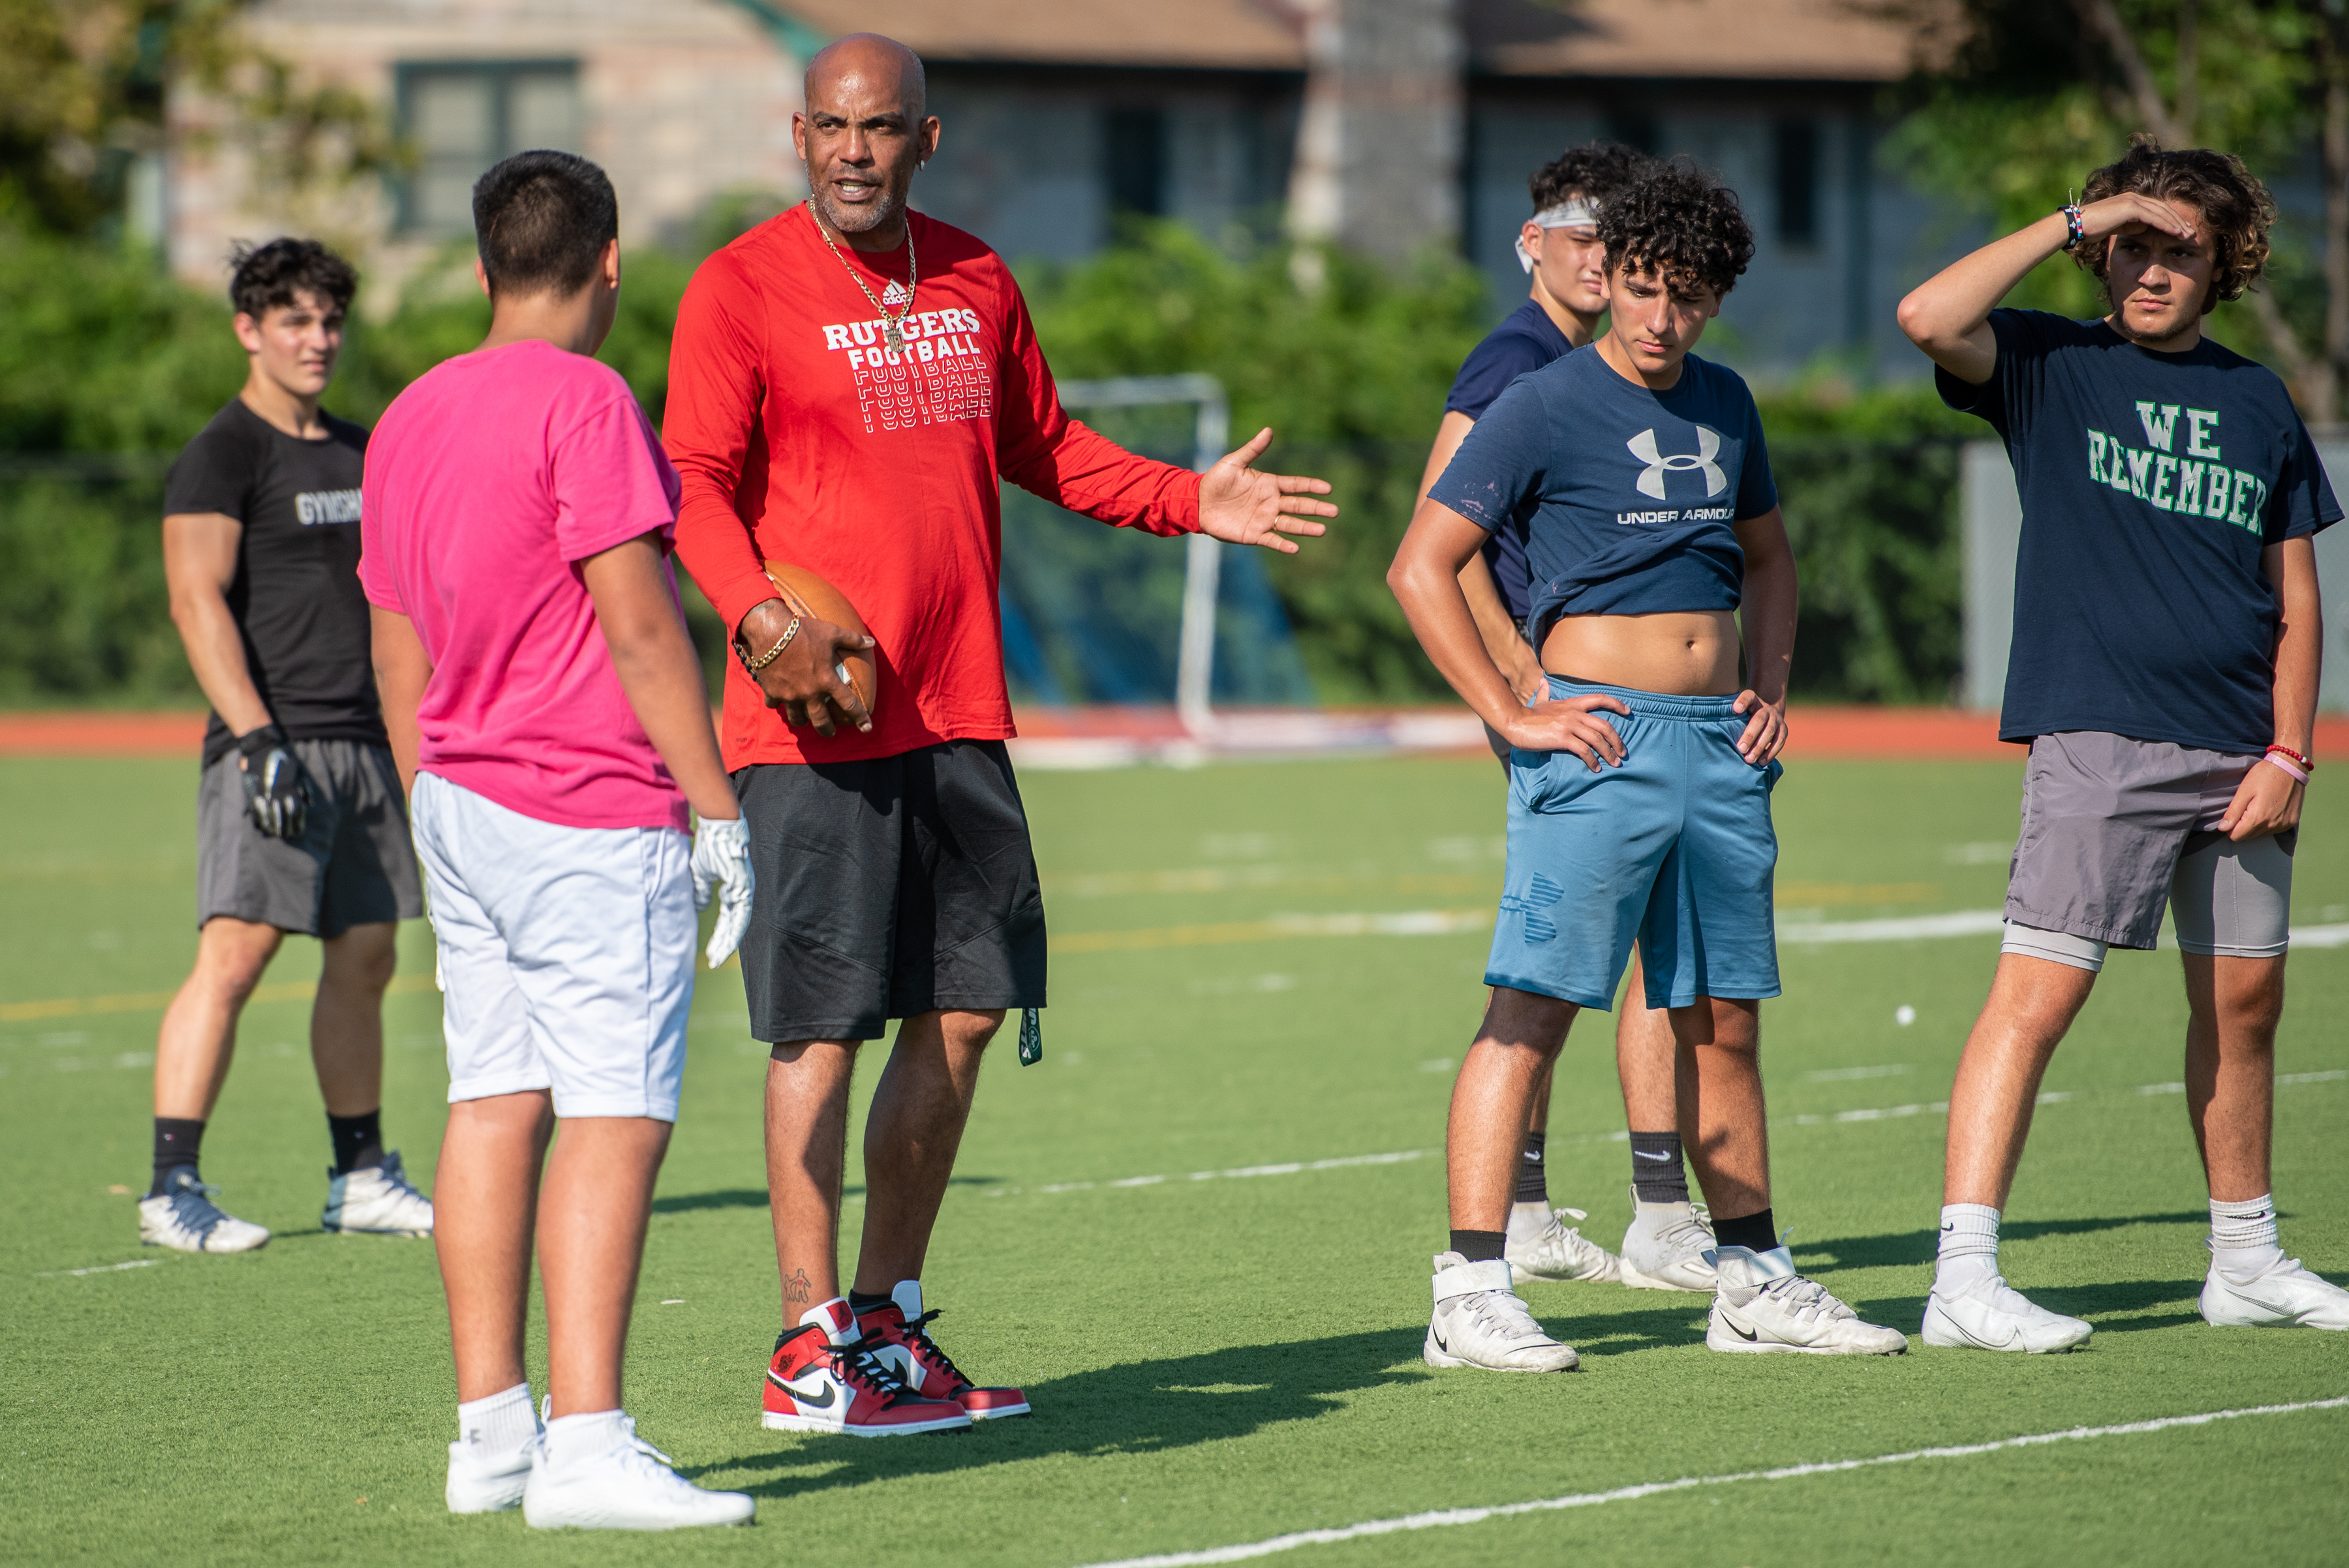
{"type": "Point", "coordinates": [721, 855]}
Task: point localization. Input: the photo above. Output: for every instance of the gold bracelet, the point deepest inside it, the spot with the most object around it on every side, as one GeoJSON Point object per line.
{"type": "Point", "coordinates": [755, 665]}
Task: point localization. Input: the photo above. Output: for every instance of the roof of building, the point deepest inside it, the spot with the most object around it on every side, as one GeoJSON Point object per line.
{"type": "Point", "coordinates": [1801, 40]}
{"type": "Point", "coordinates": [1214, 35]}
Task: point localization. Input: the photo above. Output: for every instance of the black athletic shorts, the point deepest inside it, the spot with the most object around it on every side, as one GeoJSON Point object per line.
{"type": "Point", "coordinates": [888, 887]}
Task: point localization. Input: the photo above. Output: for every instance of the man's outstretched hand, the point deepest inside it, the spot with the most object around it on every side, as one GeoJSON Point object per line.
{"type": "Point", "coordinates": [1241, 506]}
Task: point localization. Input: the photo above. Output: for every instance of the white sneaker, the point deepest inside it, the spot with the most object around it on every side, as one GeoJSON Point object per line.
{"type": "Point", "coordinates": [1480, 1321]}
{"type": "Point", "coordinates": [377, 1201]}
{"type": "Point", "coordinates": [627, 1487]}
{"type": "Point", "coordinates": [1763, 1305]}
{"type": "Point", "coordinates": [1991, 1315]}
{"type": "Point", "coordinates": [1539, 1247]}
{"type": "Point", "coordinates": [481, 1481]}
{"type": "Point", "coordinates": [2283, 1295]}
{"type": "Point", "coordinates": [1668, 1247]}
{"type": "Point", "coordinates": [186, 1219]}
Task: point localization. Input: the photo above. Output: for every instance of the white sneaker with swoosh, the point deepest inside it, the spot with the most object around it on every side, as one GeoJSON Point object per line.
{"type": "Point", "coordinates": [1666, 1247]}
{"type": "Point", "coordinates": [1480, 1321]}
{"type": "Point", "coordinates": [1763, 1305]}
{"type": "Point", "coordinates": [2283, 1295]}
{"type": "Point", "coordinates": [1991, 1315]}
{"type": "Point", "coordinates": [1542, 1246]}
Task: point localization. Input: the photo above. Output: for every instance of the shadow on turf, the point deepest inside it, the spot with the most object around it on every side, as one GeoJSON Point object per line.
{"type": "Point", "coordinates": [756, 1197]}
{"type": "Point", "coordinates": [1918, 1246]}
{"type": "Point", "coordinates": [1139, 1408]}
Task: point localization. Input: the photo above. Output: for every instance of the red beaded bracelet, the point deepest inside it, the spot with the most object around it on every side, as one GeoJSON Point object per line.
{"type": "Point", "coordinates": [2300, 757]}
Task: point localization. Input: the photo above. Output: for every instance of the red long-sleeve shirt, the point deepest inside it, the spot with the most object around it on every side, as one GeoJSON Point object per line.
{"type": "Point", "coordinates": [801, 437]}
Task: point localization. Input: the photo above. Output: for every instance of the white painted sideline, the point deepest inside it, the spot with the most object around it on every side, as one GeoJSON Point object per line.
{"type": "Point", "coordinates": [1451, 1516]}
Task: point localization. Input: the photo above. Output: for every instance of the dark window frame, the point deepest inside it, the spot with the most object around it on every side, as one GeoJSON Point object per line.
{"type": "Point", "coordinates": [500, 74]}
{"type": "Point", "coordinates": [1797, 151]}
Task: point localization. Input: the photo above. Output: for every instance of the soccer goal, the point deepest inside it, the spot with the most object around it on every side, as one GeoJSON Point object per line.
{"type": "Point", "coordinates": [1097, 615]}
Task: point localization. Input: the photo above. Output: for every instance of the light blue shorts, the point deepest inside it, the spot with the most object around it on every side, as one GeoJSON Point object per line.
{"type": "Point", "coordinates": [1673, 849]}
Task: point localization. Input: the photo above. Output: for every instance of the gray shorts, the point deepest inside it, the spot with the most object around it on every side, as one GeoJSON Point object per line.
{"type": "Point", "coordinates": [353, 866]}
{"type": "Point", "coordinates": [2114, 829]}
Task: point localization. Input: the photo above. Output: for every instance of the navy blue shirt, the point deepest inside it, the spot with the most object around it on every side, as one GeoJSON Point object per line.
{"type": "Point", "coordinates": [1625, 495]}
{"type": "Point", "coordinates": [2150, 485]}
{"type": "Point", "coordinates": [1526, 341]}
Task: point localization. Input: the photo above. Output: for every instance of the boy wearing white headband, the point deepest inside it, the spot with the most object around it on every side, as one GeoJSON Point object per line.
{"type": "Point", "coordinates": [1559, 247]}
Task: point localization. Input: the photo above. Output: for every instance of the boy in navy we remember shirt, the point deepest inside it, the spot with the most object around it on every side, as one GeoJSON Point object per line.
{"type": "Point", "coordinates": [1639, 474]}
{"type": "Point", "coordinates": [2164, 672]}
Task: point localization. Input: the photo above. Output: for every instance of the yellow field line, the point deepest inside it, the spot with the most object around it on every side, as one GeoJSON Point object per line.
{"type": "Point", "coordinates": [156, 1000]}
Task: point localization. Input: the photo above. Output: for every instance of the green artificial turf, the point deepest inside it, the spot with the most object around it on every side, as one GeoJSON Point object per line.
{"type": "Point", "coordinates": [1212, 1361]}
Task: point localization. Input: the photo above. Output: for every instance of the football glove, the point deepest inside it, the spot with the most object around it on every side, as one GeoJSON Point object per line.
{"type": "Point", "coordinates": [277, 785]}
{"type": "Point", "coordinates": [721, 865]}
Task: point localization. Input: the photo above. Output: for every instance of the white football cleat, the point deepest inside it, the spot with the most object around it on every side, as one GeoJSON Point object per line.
{"type": "Point", "coordinates": [1480, 1321]}
{"type": "Point", "coordinates": [1666, 1247]}
{"type": "Point", "coordinates": [186, 1219]}
{"type": "Point", "coordinates": [629, 1486]}
{"type": "Point", "coordinates": [1991, 1315]}
{"type": "Point", "coordinates": [1540, 1248]}
{"type": "Point", "coordinates": [2281, 1295]}
{"type": "Point", "coordinates": [482, 1482]}
{"type": "Point", "coordinates": [376, 1202]}
{"type": "Point", "coordinates": [1763, 1304]}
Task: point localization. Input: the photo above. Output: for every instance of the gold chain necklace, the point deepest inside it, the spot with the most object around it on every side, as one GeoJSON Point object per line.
{"type": "Point", "coordinates": [892, 327]}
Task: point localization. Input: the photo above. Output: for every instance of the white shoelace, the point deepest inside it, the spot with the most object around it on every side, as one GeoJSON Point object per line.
{"type": "Point", "coordinates": [1501, 1313]}
{"type": "Point", "coordinates": [1806, 1299]}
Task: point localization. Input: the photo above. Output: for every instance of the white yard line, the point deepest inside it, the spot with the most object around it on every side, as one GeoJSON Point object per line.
{"type": "Point", "coordinates": [1399, 1156]}
{"type": "Point", "coordinates": [1437, 1517]}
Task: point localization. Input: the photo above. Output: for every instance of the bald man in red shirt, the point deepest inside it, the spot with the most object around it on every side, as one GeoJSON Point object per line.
{"type": "Point", "coordinates": [849, 385]}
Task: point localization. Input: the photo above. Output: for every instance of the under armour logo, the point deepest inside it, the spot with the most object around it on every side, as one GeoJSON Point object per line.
{"type": "Point", "coordinates": [1652, 481]}
{"type": "Point", "coordinates": [1534, 903]}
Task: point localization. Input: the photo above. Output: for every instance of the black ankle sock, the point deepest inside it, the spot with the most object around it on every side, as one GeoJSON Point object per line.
{"type": "Point", "coordinates": [862, 1302]}
{"type": "Point", "coordinates": [1657, 1175]}
{"type": "Point", "coordinates": [1533, 1176]}
{"type": "Point", "coordinates": [178, 1141]}
{"type": "Point", "coordinates": [1479, 1246]}
{"type": "Point", "coordinates": [1754, 1232]}
{"type": "Point", "coordinates": [358, 1140]}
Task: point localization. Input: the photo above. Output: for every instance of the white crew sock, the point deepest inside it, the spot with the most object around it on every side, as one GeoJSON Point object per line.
{"type": "Point", "coordinates": [2243, 1236]}
{"type": "Point", "coordinates": [570, 1439]}
{"type": "Point", "coordinates": [1969, 1251]}
{"type": "Point", "coordinates": [500, 1426]}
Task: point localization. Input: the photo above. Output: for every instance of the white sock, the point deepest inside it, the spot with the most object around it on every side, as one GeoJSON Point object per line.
{"type": "Point", "coordinates": [502, 1425]}
{"type": "Point", "coordinates": [1969, 1253]}
{"type": "Point", "coordinates": [2243, 1236]}
{"type": "Point", "coordinates": [572, 1439]}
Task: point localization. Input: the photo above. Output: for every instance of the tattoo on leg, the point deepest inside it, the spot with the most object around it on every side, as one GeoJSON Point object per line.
{"type": "Point", "coordinates": [796, 1290]}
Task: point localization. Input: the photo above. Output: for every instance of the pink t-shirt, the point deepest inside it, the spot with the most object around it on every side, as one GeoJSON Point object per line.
{"type": "Point", "coordinates": [488, 480]}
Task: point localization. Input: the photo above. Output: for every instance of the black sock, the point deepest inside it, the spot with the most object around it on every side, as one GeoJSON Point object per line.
{"type": "Point", "coordinates": [1756, 1232]}
{"type": "Point", "coordinates": [358, 1140]}
{"type": "Point", "coordinates": [177, 1142]}
{"type": "Point", "coordinates": [1533, 1176]}
{"type": "Point", "coordinates": [862, 1302]}
{"type": "Point", "coordinates": [1479, 1246]}
{"type": "Point", "coordinates": [1656, 1172]}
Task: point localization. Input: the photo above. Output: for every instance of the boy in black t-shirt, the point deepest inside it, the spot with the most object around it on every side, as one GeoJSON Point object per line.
{"type": "Point", "coordinates": [301, 823]}
{"type": "Point", "coordinates": [2166, 641]}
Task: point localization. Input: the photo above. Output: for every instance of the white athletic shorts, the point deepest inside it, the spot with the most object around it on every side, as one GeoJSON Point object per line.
{"type": "Point", "coordinates": [566, 954]}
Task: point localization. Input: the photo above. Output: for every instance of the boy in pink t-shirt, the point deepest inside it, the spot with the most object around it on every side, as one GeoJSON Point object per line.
{"type": "Point", "coordinates": [549, 717]}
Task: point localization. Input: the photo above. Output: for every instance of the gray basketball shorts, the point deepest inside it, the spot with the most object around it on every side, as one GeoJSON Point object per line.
{"type": "Point", "coordinates": [353, 866]}
{"type": "Point", "coordinates": [2114, 829]}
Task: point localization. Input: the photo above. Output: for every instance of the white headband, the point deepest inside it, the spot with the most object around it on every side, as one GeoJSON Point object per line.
{"type": "Point", "coordinates": [1575, 214]}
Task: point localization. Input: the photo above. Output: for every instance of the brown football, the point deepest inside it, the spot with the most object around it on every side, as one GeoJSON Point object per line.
{"type": "Point", "coordinates": [807, 594]}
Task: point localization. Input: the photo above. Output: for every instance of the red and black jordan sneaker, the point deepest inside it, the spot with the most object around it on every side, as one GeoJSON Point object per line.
{"type": "Point", "coordinates": [826, 1376]}
{"type": "Point", "coordinates": [903, 1346]}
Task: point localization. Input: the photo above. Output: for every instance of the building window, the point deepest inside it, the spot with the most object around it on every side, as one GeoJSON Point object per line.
{"type": "Point", "coordinates": [1135, 151]}
{"type": "Point", "coordinates": [462, 118]}
{"type": "Point", "coordinates": [1798, 181]}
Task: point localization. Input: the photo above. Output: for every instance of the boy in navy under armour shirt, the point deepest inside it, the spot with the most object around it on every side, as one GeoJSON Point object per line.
{"type": "Point", "coordinates": [2168, 634]}
{"type": "Point", "coordinates": [1640, 795]}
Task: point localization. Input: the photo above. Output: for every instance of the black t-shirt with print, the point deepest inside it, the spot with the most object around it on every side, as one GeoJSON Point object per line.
{"type": "Point", "coordinates": [296, 596]}
{"type": "Point", "coordinates": [2150, 485]}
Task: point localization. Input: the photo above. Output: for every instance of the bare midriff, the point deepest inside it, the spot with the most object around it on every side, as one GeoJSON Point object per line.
{"type": "Point", "coordinates": [1682, 653]}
